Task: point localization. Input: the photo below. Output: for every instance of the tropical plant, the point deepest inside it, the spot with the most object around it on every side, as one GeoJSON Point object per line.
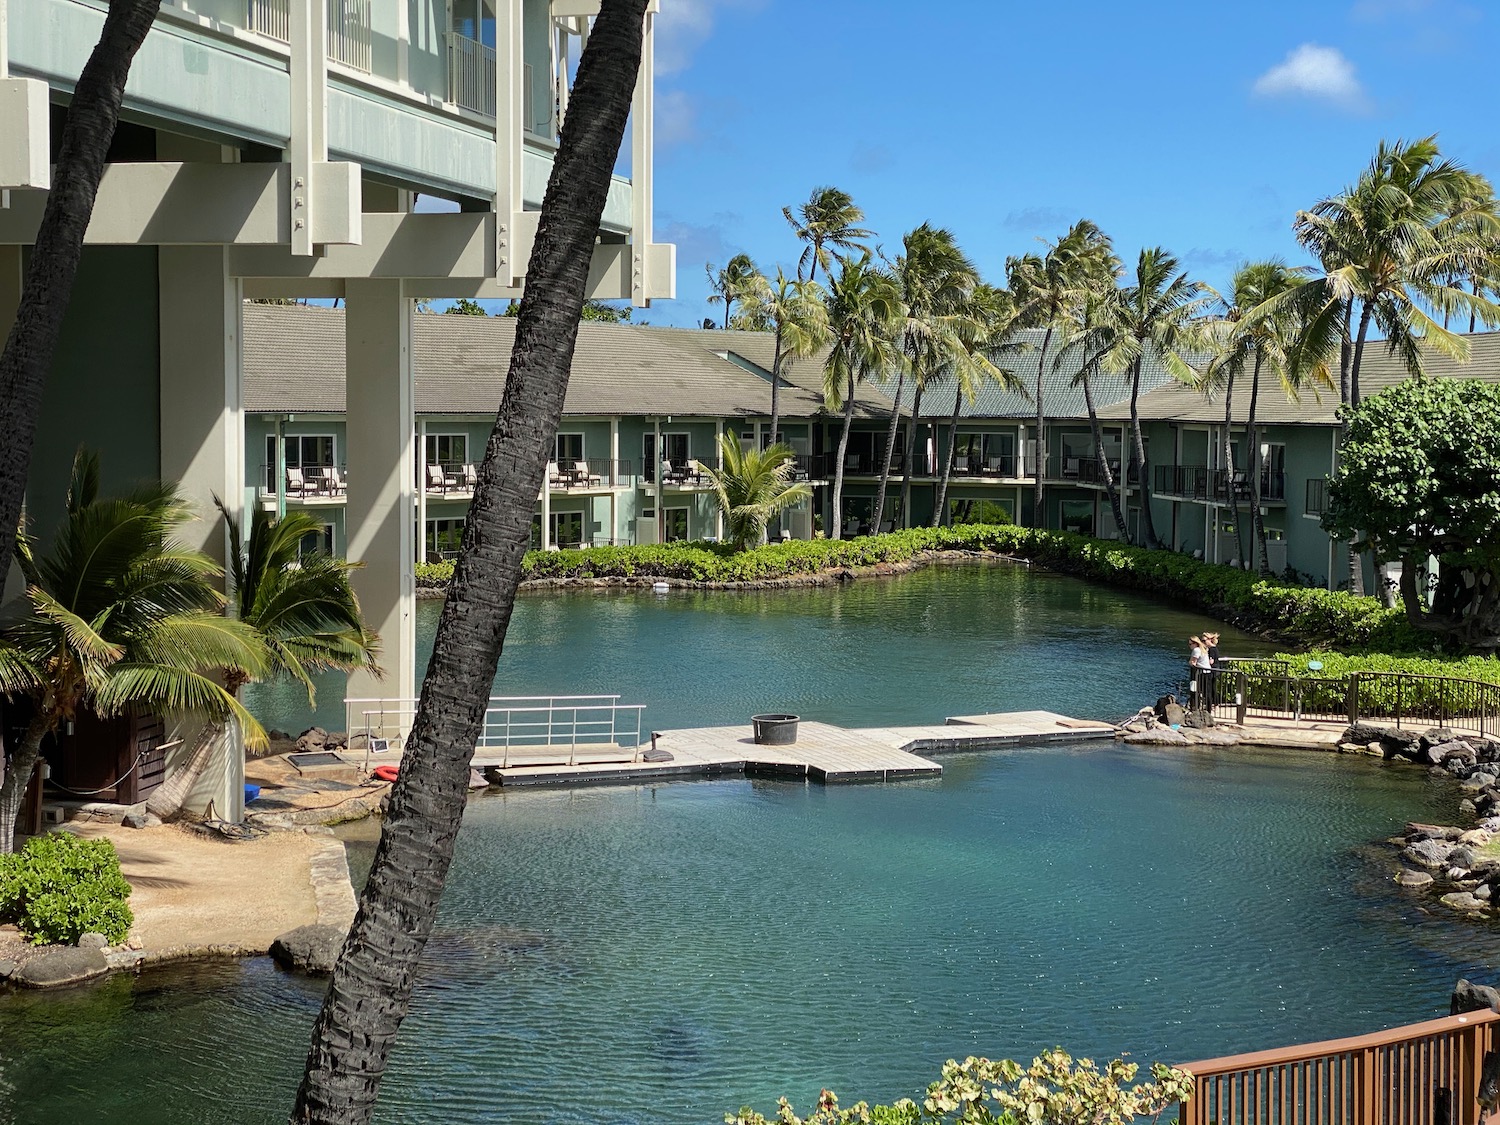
{"type": "Point", "coordinates": [798, 320]}
{"type": "Point", "coordinates": [120, 617]}
{"type": "Point", "coordinates": [985, 327]}
{"type": "Point", "coordinates": [829, 218]}
{"type": "Point", "coordinates": [60, 887]}
{"type": "Point", "coordinates": [738, 281]}
{"type": "Point", "coordinates": [936, 279]}
{"type": "Point", "coordinates": [1154, 313]}
{"type": "Point", "coordinates": [372, 980]}
{"type": "Point", "coordinates": [1419, 476]}
{"type": "Point", "coordinates": [303, 609]}
{"type": "Point", "coordinates": [864, 320]}
{"type": "Point", "coordinates": [88, 128]}
{"type": "Point", "coordinates": [753, 486]}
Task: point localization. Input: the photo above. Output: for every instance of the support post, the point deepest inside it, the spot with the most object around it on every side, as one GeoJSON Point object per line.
{"type": "Point", "coordinates": [309, 114]}
{"type": "Point", "coordinates": [12, 584]}
{"type": "Point", "coordinates": [278, 466]}
{"type": "Point", "coordinates": [381, 421]}
{"type": "Point", "coordinates": [547, 513]}
{"type": "Point", "coordinates": [642, 145]}
{"type": "Point", "coordinates": [509, 99]}
{"type": "Point", "coordinates": [419, 479]}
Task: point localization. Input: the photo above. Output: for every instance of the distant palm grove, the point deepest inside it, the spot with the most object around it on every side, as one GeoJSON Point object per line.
{"type": "Point", "coordinates": [1406, 258]}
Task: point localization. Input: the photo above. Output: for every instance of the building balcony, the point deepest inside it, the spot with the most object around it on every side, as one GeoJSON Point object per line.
{"type": "Point", "coordinates": [1217, 486]}
{"type": "Point", "coordinates": [593, 475]}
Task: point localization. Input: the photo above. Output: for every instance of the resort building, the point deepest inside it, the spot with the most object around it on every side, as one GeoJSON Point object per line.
{"type": "Point", "coordinates": [370, 152]}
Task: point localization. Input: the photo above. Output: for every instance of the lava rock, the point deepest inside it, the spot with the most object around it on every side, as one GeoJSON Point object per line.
{"type": "Point", "coordinates": [1463, 900]}
{"type": "Point", "coordinates": [1411, 877]}
{"type": "Point", "coordinates": [1429, 853]}
{"type": "Point", "coordinates": [1162, 737]}
{"type": "Point", "coordinates": [68, 965]}
{"type": "Point", "coordinates": [1470, 997]}
{"type": "Point", "coordinates": [1475, 838]}
{"type": "Point", "coordinates": [1416, 831]}
{"type": "Point", "coordinates": [308, 949]}
{"type": "Point", "coordinates": [1484, 891]}
{"type": "Point", "coordinates": [1467, 806]}
{"type": "Point", "coordinates": [1400, 743]}
{"type": "Point", "coordinates": [92, 940]}
{"type": "Point", "coordinates": [1201, 719]}
{"type": "Point", "coordinates": [133, 820]}
{"type": "Point", "coordinates": [7, 968]}
{"type": "Point", "coordinates": [1175, 715]}
{"type": "Point", "coordinates": [312, 740]}
{"type": "Point", "coordinates": [1462, 856]}
{"type": "Point", "coordinates": [336, 740]}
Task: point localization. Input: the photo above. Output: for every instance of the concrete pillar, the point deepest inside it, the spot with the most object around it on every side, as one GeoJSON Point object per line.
{"type": "Point", "coordinates": [380, 514]}
{"type": "Point", "coordinates": [12, 584]}
{"type": "Point", "coordinates": [202, 443]}
{"type": "Point", "coordinates": [546, 515]}
{"type": "Point", "coordinates": [421, 487]}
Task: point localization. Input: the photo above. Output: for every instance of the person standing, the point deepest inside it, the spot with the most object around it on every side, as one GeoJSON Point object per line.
{"type": "Point", "coordinates": [1200, 669]}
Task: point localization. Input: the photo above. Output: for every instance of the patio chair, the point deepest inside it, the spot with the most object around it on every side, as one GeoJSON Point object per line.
{"type": "Point", "coordinates": [471, 478]}
{"type": "Point", "coordinates": [556, 478]}
{"type": "Point", "coordinates": [851, 527]}
{"type": "Point", "coordinates": [851, 462]}
{"type": "Point", "coordinates": [671, 475]}
{"type": "Point", "coordinates": [333, 481]}
{"type": "Point", "coordinates": [1070, 468]}
{"type": "Point", "coordinates": [296, 482]}
{"type": "Point", "coordinates": [454, 480]}
{"type": "Point", "coordinates": [581, 475]}
{"type": "Point", "coordinates": [694, 472]}
{"type": "Point", "coordinates": [995, 466]}
{"type": "Point", "coordinates": [437, 480]}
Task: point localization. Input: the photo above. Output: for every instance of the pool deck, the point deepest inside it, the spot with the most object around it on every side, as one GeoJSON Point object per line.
{"type": "Point", "coordinates": [822, 753]}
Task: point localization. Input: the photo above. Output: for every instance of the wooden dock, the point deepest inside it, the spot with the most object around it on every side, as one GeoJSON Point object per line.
{"type": "Point", "coordinates": [822, 752]}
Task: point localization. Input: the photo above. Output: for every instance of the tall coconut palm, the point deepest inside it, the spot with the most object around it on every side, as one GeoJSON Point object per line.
{"type": "Point", "coordinates": [738, 281]}
{"type": "Point", "coordinates": [120, 617]}
{"type": "Point", "coordinates": [1154, 313]}
{"type": "Point", "coordinates": [88, 128]}
{"type": "Point", "coordinates": [798, 321]}
{"type": "Point", "coordinates": [372, 981]}
{"type": "Point", "coordinates": [829, 219]}
{"type": "Point", "coordinates": [864, 320]}
{"type": "Point", "coordinates": [753, 486]}
{"type": "Point", "coordinates": [1048, 289]}
{"type": "Point", "coordinates": [936, 280]}
{"type": "Point", "coordinates": [303, 609]}
{"type": "Point", "coordinates": [986, 330]}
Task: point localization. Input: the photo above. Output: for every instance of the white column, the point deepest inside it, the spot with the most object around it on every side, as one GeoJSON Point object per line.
{"type": "Point", "coordinates": [13, 584]}
{"type": "Point", "coordinates": [546, 515]}
{"type": "Point", "coordinates": [381, 421]}
{"type": "Point", "coordinates": [617, 480]}
{"type": "Point", "coordinates": [420, 484]}
{"type": "Point", "coordinates": [309, 112]}
{"type": "Point", "coordinates": [719, 463]}
{"type": "Point", "coordinates": [642, 144]}
{"type": "Point", "coordinates": [510, 71]}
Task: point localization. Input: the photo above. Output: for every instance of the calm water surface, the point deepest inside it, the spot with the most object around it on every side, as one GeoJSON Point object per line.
{"type": "Point", "coordinates": [666, 953]}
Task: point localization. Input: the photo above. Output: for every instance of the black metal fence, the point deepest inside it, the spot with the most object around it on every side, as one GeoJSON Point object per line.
{"type": "Point", "coordinates": [1396, 698]}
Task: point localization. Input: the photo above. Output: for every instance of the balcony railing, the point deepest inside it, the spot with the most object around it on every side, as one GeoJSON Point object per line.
{"type": "Point", "coordinates": [349, 36]}
{"type": "Point", "coordinates": [306, 481]}
{"type": "Point", "coordinates": [1317, 496]}
{"type": "Point", "coordinates": [350, 40]}
{"type": "Point", "coordinates": [572, 476]}
{"type": "Point", "coordinates": [986, 468]}
{"type": "Point", "coordinates": [471, 74]}
{"type": "Point", "coordinates": [1197, 482]}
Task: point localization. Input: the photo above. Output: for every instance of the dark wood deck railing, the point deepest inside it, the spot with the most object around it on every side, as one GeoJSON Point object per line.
{"type": "Point", "coordinates": [1425, 1074]}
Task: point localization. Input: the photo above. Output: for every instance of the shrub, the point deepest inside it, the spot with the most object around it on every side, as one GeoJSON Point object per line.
{"type": "Point", "coordinates": [60, 887]}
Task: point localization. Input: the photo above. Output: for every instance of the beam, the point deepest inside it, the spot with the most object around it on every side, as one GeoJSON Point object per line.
{"type": "Point", "coordinates": [25, 140]}
{"type": "Point", "coordinates": [309, 116]}
{"type": "Point", "coordinates": [174, 204]}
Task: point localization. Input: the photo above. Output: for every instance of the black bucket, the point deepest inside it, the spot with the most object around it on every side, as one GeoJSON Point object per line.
{"type": "Point", "coordinates": [775, 730]}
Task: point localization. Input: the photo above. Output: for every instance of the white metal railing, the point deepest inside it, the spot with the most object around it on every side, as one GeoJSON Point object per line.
{"type": "Point", "coordinates": [528, 721]}
{"type": "Point", "coordinates": [271, 18]}
{"type": "Point", "coordinates": [471, 74]}
{"type": "Point", "coordinates": [349, 37]}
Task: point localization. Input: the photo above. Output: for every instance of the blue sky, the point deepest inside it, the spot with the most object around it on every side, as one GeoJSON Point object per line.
{"type": "Point", "coordinates": [1201, 127]}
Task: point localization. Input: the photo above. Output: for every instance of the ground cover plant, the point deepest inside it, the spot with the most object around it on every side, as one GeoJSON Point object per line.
{"type": "Point", "coordinates": [60, 887]}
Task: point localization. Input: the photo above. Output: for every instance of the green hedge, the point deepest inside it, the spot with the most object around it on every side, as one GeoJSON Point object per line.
{"type": "Point", "coordinates": [60, 887]}
{"type": "Point", "coordinates": [1305, 614]}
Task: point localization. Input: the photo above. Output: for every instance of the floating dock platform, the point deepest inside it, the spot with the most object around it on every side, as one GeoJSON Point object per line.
{"type": "Point", "coordinates": [822, 753]}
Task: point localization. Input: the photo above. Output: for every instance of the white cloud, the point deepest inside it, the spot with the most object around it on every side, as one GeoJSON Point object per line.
{"type": "Point", "coordinates": [685, 25]}
{"type": "Point", "coordinates": [1312, 71]}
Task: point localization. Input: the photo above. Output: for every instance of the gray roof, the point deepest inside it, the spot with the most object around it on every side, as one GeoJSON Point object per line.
{"type": "Point", "coordinates": [1379, 369]}
{"type": "Point", "coordinates": [294, 362]}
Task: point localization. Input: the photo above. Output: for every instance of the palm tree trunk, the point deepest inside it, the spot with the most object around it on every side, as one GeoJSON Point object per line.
{"type": "Point", "coordinates": [1356, 559]}
{"type": "Point", "coordinates": [1472, 314]}
{"type": "Point", "coordinates": [1111, 489]}
{"type": "Point", "coordinates": [911, 453]}
{"type": "Point", "coordinates": [940, 509]}
{"type": "Point", "coordinates": [1228, 455]}
{"type": "Point", "coordinates": [837, 531]}
{"type": "Point", "coordinates": [18, 770]}
{"type": "Point", "coordinates": [890, 449]}
{"type": "Point", "coordinates": [776, 386]}
{"type": "Point", "coordinates": [1039, 461]}
{"type": "Point", "coordinates": [1252, 432]}
{"type": "Point", "coordinates": [727, 303]}
{"type": "Point", "coordinates": [1346, 352]}
{"type": "Point", "coordinates": [90, 126]}
{"type": "Point", "coordinates": [1138, 457]}
{"type": "Point", "coordinates": [371, 986]}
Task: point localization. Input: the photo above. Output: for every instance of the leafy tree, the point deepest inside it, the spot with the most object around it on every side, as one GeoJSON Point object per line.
{"type": "Point", "coordinates": [829, 218]}
{"type": "Point", "coordinates": [372, 981]}
{"type": "Point", "coordinates": [864, 319]}
{"type": "Point", "coordinates": [593, 309]}
{"type": "Point", "coordinates": [1155, 312]}
{"type": "Point", "coordinates": [753, 487]}
{"type": "Point", "coordinates": [737, 282]}
{"type": "Point", "coordinates": [466, 306]}
{"type": "Point", "coordinates": [120, 617]}
{"type": "Point", "coordinates": [303, 609]}
{"type": "Point", "coordinates": [1419, 477]}
{"type": "Point", "coordinates": [88, 129]}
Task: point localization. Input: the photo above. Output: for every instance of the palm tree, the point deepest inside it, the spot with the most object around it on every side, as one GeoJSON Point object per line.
{"type": "Point", "coordinates": [985, 327]}
{"type": "Point", "coordinates": [1154, 313]}
{"type": "Point", "coordinates": [303, 609]}
{"type": "Point", "coordinates": [737, 281]}
{"type": "Point", "coordinates": [120, 618]}
{"type": "Point", "coordinates": [89, 127]}
{"type": "Point", "coordinates": [864, 320]}
{"type": "Point", "coordinates": [753, 486]}
{"type": "Point", "coordinates": [936, 279]}
{"type": "Point", "coordinates": [798, 319]}
{"type": "Point", "coordinates": [829, 218]}
{"type": "Point", "coordinates": [372, 981]}
{"type": "Point", "coordinates": [1047, 290]}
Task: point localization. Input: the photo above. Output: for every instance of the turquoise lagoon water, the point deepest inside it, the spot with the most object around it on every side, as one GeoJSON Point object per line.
{"type": "Point", "coordinates": [662, 954]}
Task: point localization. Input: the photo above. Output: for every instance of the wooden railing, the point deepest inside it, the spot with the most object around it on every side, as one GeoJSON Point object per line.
{"type": "Point", "coordinates": [1424, 1074]}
